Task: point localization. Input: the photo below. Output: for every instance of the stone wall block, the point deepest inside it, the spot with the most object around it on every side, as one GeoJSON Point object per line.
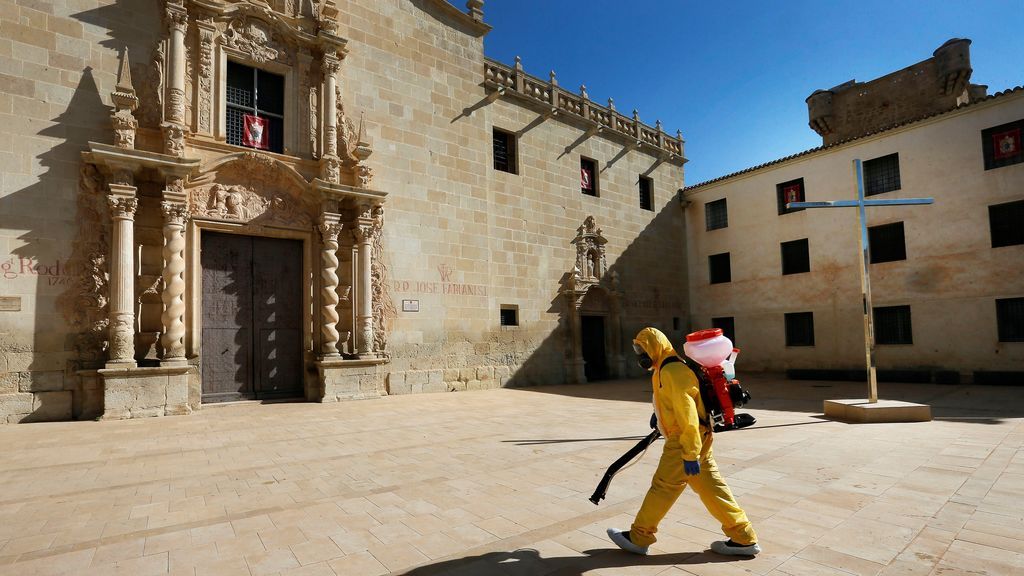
{"type": "Point", "coordinates": [502, 372]}
{"type": "Point", "coordinates": [467, 374]}
{"type": "Point", "coordinates": [36, 361]}
{"type": "Point", "coordinates": [41, 381]}
{"type": "Point", "coordinates": [396, 383]}
{"type": "Point", "coordinates": [15, 406]}
{"type": "Point", "coordinates": [457, 386]}
{"type": "Point", "coordinates": [438, 386]}
{"type": "Point", "coordinates": [435, 377]}
{"type": "Point", "coordinates": [9, 382]}
{"type": "Point", "coordinates": [451, 374]}
{"type": "Point", "coordinates": [474, 385]}
{"type": "Point", "coordinates": [484, 372]}
{"type": "Point", "coordinates": [50, 407]}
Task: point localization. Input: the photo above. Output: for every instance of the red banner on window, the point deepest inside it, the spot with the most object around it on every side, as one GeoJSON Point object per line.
{"type": "Point", "coordinates": [586, 182]}
{"type": "Point", "coordinates": [256, 132]}
{"type": "Point", "coordinates": [1006, 144]}
{"type": "Point", "coordinates": [792, 194]}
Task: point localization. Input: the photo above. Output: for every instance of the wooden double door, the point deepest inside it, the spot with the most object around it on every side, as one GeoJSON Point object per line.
{"type": "Point", "coordinates": [251, 318]}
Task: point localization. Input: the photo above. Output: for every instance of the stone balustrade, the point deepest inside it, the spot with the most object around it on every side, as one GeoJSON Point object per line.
{"type": "Point", "coordinates": [515, 82]}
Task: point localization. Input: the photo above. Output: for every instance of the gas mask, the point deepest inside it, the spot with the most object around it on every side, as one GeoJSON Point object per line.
{"type": "Point", "coordinates": [642, 358]}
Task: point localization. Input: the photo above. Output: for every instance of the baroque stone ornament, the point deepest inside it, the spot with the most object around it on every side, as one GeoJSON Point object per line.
{"type": "Point", "coordinates": [125, 102]}
{"type": "Point", "coordinates": [384, 311]}
{"type": "Point", "coordinates": [252, 37]}
{"type": "Point", "coordinates": [174, 139]}
{"type": "Point", "coordinates": [205, 96]}
{"type": "Point", "coordinates": [122, 208]}
{"type": "Point", "coordinates": [84, 302]}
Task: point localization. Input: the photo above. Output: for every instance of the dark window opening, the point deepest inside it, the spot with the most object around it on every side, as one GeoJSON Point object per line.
{"type": "Point", "coordinates": [719, 270]}
{"type": "Point", "coordinates": [1002, 145]}
{"type": "Point", "coordinates": [255, 104]}
{"type": "Point", "coordinates": [505, 152]}
{"type": "Point", "coordinates": [509, 316]}
{"type": "Point", "coordinates": [588, 176]}
{"type": "Point", "coordinates": [882, 175]}
{"type": "Point", "coordinates": [646, 193]}
{"type": "Point", "coordinates": [800, 329]}
{"type": "Point", "coordinates": [892, 325]}
{"type": "Point", "coordinates": [792, 191]}
{"type": "Point", "coordinates": [728, 327]}
{"type": "Point", "coordinates": [796, 257]}
{"type": "Point", "coordinates": [1010, 319]}
{"type": "Point", "coordinates": [886, 243]}
{"type": "Point", "coordinates": [716, 214]}
{"type": "Point", "coordinates": [1006, 222]}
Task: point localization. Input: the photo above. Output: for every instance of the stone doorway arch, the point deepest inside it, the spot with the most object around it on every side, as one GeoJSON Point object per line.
{"type": "Point", "coordinates": [591, 292]}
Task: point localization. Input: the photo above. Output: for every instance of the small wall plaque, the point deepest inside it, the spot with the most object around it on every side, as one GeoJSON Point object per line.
{"type": "Point", "coordinates": [410, 305]}
{"type": "Point", "coordinates": [10, 303]}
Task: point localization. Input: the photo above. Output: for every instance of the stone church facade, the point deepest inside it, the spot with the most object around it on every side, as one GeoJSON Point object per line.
{"type": "Point", "coordinates": [213, 200]}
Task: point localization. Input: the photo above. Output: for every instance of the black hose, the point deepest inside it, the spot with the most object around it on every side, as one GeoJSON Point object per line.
{"type": "Point", "coordinates": [602, 486]}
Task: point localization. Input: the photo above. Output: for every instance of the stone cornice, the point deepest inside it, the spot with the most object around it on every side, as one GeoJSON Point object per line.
{"type": "Point", "coordinates": [108, 156]}
{"type": "Point", "coordinates": [342, 191]}
{"type": "Point", "coordinates": [553, 101]}
{"type": "Point", "coordinates": [476, 28]}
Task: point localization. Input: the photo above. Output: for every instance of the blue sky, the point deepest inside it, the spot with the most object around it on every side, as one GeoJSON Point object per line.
{"type": "Point", "coordinates": [733, 74]}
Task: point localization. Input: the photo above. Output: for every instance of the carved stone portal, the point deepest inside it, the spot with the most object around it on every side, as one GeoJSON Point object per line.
{"type": "Point", "coordinates": [590, 273]}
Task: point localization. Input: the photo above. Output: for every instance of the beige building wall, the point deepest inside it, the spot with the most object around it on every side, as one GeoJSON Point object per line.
{"type": "Point", "coordinates": [950, 278]}
{"type": "Point", "coordinates": [459, 237]}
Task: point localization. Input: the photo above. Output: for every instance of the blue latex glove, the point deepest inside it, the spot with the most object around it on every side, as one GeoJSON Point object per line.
{"type": "Point", "coordinates": [691, 468]}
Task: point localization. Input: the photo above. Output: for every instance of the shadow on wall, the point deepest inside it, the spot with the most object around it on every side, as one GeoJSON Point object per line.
{"type": "Point", "coordinates": [653, 280]}
{"type": "Point", "coordinates": [55, 220]}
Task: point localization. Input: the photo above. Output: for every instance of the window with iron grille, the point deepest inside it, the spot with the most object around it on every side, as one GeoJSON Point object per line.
{"type": "Point", "coordinates": [1002, 145]}
{"type": "Point", "coordinates": [892, 325]}
{"type": "Point", "coordinates": [509, 315]}
{"type": "Point", "coordinates": [882, 174]}
{"type": "Point", "coordinates": [719, 270]}
{"type": "Point", "coordinates": [792, 191]}
{"type": "Point", "coordinates": [1010, 319]}
{"type": "Point", "coordinates": [716, 215]}
{"type": "Point", "coordinates": [646, 193]}
{"type": "Point", "coordinates": [886, 243]}
{"type": "Point", "coordinates": [505, 152]}
{"type": "Point", "coordinates": [728, 327]}
{"type": "Point", "coordinates": [795, 257]}
{"type": "Point", "coordinates": [256, 93]}
{"type": "Point", "coordinates": [588, 176]}
{"type": "Point", "coordinates": [800, 329]}
{"type": "Point", "coordinates": [1007, 223]}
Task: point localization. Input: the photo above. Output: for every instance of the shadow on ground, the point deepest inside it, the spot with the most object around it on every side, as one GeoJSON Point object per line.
{"type": "Point", "coordinates": [970, 403]}
{"type": "Point", "coordinates": [527, 561]}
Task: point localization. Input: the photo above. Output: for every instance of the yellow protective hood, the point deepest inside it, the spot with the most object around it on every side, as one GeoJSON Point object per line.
{"type": "Point", "coordinates": [656, 344]}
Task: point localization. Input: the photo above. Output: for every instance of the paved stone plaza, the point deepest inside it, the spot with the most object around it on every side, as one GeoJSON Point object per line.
{"type": "Point", "coordinates": [497, 481]}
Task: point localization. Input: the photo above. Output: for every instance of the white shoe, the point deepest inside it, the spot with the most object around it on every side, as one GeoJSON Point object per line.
{"type": "Point", "coordinates": [621, 540]}
{"type": "Point", "coordinates": [730, 548]}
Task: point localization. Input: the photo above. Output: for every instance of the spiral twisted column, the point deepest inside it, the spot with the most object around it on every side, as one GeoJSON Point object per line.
{"type": "Point", "coordinates": [122, 204]}
{"type": "Point", "coordinates": [330, 228]}
{"type": "Point", "coordinates": [173, 296]}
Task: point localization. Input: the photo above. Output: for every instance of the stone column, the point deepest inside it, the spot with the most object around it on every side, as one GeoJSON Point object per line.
{"type": "Point", "coordinates": [122, 204]}
{"type": "Point", "coordinates": [330, 164]}
{"type": "Point", "coordinates": [577, 375]}
{"type": "Point", "coordinates": [330, 228]}
{"type": "Point", "coordinates": [175, 214]}
{"type": "Point", "coordinates": [174, 108]}
{"type": "Point", "coordinates": [364, 232]}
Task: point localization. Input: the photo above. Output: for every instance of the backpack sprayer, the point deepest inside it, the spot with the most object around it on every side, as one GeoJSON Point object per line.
{"type": "Point", "coordinates": [712, 358]}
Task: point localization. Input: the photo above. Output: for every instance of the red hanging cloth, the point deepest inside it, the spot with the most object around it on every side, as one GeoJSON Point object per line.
{"type": "Point", "coordinates": [255, 133]}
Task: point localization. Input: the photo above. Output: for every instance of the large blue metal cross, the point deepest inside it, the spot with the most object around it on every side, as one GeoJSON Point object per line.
{"type": "Point", "coordinates": [865, 262]}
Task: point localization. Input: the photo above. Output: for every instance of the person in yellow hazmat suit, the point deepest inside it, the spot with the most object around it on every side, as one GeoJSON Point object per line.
{"type": "Point", "coordinates": [686, 459]}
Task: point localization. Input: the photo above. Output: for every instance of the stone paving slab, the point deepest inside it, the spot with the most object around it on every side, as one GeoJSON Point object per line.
{"type": "Point", "coordinates": [497, 481]}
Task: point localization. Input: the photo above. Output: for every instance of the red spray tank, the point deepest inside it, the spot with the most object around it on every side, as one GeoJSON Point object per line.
{"type": "Point", "coordinates": [715, 353]}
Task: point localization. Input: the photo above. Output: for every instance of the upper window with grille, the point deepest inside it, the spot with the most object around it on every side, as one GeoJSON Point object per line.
{"type": "Point", "coordinates": [646, 193]}
{"type": "Point", "coordinates": [716, 214]}
{"type": "Point", "coordinates": [1007, 223]}
{"type": "Point", "coordinates": [509, 315]}
{"type": "Point", "coordinates": [1001, 145]}
{"type": "Point", "coordinates": [255, 108]}
{"type": "Point", "coordinates": [886, 243]}
{"type": "Point", "coordinates": [892, 325]}
{"type": "Point", "coordinates": [588, 176]}
{"type": "Point", "coordinates": [792, 191]}
{"type": "Point", "coordinates": [505, 152]}
{"type": "Point", "coordinates": [882, 175]}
